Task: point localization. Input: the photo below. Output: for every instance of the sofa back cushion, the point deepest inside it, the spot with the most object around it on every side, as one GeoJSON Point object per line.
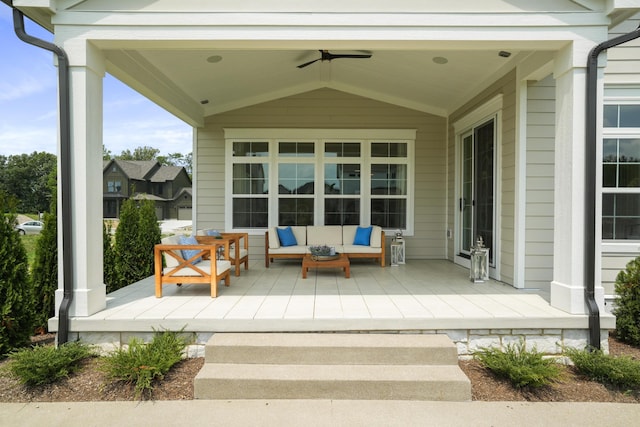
{"type": "Point", "coordinates": [349, 235]}
{"type": "Point", "coordinates": [189, 253]}
{"type": "Point", "coordinates": [170, 261]}
{"type": "Point", "coordinates": [363, 236]}
{"type": "Point", "coordinates": [274, 241]}
{"type": "Point", "coordinates": [376, 237]}
{"type": "Point", "coordinates": [324, 235]}
{"type": "Point", "coordinates": [286, 237]}
{"type": "Point", "coordinates": [300, 231]}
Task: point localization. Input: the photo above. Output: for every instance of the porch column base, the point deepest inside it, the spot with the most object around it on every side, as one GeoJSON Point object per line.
{"type": "Point", "coordinates": [85, 301]}
{"type": "Point", "coordinates": [571, 298]}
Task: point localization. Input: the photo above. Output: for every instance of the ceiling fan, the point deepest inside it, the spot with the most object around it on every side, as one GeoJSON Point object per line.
{"type": "Point", "coordinates": [328, 56]}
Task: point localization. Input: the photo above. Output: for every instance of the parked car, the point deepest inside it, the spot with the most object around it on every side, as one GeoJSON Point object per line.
{"type": "Point", "coordinates": [30, 227]}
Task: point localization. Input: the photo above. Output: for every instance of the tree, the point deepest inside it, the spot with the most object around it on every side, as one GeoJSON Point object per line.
{"type": "Point", "coordinates": [140, 153]}
{"type": "Point", "coordinates": [26, 177]}
{"type": "Point", "coordinates": [110, 274]}
{"type": "Point", "coordinates": [137, 234]}
{"type": "Point", "coordinates": [106, 153]}
{"type": "Point", "coordinates": [16, 298]}
{"type": "Point", "coordinates": [177, 159]}
{"type": "Point", "coordinates": [45, 267]}
{"type": "Point", "coordinates": [45, 272]}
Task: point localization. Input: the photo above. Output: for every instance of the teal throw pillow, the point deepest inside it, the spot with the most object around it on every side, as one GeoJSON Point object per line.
{"type": "Point", "coordinates": [286, 237]}
{"type": "Point", "coordinates": [188, 253]}
{"type": "Point", "coordinates": [363, 236]}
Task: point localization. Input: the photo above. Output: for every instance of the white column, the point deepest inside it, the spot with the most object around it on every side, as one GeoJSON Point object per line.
{"type": "Point", "coordinates": [86, 75]}
{"type": "Point", "coordinates": [567, 287]}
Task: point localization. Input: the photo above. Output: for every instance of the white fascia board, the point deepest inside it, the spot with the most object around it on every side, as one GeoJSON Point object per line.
{"type": "Point", "coordinates": [324, 20]}
{"type": "Point", "coordinates": [322, 133]}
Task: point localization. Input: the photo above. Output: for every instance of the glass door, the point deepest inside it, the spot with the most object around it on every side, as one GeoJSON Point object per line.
{"type": "Point", "coordinates": [477, 180]}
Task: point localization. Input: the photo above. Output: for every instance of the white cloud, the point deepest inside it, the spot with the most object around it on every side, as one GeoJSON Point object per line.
{"type": "Point", "coordinates": [27, 140]}
{"type": "Point", "coordinates": [26, 86]}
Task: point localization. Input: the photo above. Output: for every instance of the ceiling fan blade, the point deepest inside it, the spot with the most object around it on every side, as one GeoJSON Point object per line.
{"type": "Point", "coordinates": [325, 55]}
{"type": "Point", "coordinates": [308, 63]}
{"type": "Point", "coordinates": [348, 55]}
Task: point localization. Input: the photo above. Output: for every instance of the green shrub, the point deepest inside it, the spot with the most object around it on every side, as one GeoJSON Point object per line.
{"type": "Point", "coordinates": [45, 272]}
{"type": "Point", "coordinates": [137, 234]}
{"type": "Point", "coordinates": [16, 296]}
{"type": "Point", "coordinates": [627, 310]}
{"type": "Point", "coordinates": [140, 364]}
{"type": "Point", "coordinates": [110, 275]}
{"type": "Point", "coordinates": [621, 371]}
{"type": "Point", "coordinates": [47, 364]}
{"type": "Point", "coordinates": [522, 368]}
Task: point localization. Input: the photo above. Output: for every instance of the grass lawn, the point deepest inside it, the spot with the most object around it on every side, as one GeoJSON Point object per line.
{"type": "Point", "coordinates": [29, 242]}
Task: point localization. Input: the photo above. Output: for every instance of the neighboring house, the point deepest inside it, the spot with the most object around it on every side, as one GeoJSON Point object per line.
{"type": "Point", "coordinates": [468, 120]}
{"type": "Point", "coordinates": [168, 186]}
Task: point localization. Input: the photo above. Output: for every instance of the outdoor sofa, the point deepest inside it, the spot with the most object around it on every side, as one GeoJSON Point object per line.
{"type": "Point", "coordinates": [352, 240]}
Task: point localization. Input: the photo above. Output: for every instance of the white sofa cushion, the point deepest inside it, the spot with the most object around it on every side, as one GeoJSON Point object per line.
{"type": "Point", "coordinates": [329, 235]}
{"type": "Point", "coordinates": [170, 261]}
{"type": "Point", "coordinates": [221, 267]}
{"type": "Point", "coordinates": [300, 231]}
{"type": "Point", "coordinates": [349, 234]}
{"type": "Point", "coordinates": [274, 241]}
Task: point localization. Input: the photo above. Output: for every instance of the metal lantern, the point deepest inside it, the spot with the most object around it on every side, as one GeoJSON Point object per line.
{"type": "Point", "coordinates": [479, 271]}
{"type": "Point", "coordinates": [397, 252]}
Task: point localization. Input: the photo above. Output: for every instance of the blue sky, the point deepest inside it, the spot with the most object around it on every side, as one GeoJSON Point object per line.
{"type": "Point", "coordinates": [29, 100]}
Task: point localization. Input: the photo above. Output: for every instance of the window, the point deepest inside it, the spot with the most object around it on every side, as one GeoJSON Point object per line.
{"type": "Point", "coordinates": [114, 186]}
{"type": "Point", "coordinates": [315, 177]}
{"type": "Point", "coordinates": [621, 172]}
{"type": "Point", "coordinates": [250, 184]}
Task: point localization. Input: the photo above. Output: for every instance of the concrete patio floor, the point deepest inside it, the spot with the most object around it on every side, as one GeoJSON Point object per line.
{"type": "Point", "coordinates": [422, 296]}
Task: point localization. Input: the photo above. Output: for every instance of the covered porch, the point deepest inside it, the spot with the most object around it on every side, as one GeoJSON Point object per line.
{"type": "Point", "coordinates": [434, 296]}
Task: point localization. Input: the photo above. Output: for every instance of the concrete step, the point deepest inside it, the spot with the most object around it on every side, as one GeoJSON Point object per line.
{"type": "Point", "coordinates": [352, 382]}
{"type": "Point", "coordinates": [331, 349]}
{"type": "Point", "coordinates": [331, 366]}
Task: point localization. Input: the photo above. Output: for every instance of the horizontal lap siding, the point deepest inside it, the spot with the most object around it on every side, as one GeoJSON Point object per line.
{"type": "Point", "coordinates": [623, 62]}
{"type": "Point", "coordinates": [539, 184]}
{"type": "Point", "coordinates": [326, 108]}
{"type": "Point", "coordinates": [612, 265]}
{"type": "Point", "coordinates": [623, 67]}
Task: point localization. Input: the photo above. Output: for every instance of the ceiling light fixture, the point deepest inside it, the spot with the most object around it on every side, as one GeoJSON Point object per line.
{"type": "Point", "coordinates": [504, 54]}
{"type": "Point", "coordinates": [440, 60]}
{"type": "Point", "coordinates": [214, 59]}
{"type": "Point", "coordinates": [204, 102]}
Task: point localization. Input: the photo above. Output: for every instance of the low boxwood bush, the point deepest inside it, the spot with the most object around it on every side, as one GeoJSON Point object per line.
{"type": "Point", "coordinates": [47, 364]}
{"type": "Point", "coordinates": [621, 371]}
{"type": "Point", "coordinates": [140, 364]}
{"type": "Point", "coordinates": [521, 367]}
{"type": "Point", "coordinates": [627, 306]}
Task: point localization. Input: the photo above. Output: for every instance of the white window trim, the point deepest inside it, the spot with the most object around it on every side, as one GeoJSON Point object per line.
{"type": "Point", "coordinates": [274, 135]}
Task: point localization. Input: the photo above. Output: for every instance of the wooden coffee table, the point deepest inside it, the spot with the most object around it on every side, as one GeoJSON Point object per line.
{"type": "Point", "coordinates": [341, 262]}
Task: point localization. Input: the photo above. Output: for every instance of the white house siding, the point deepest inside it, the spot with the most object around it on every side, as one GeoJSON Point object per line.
{"type": "Point", "coordinates": [327, 108]}
{"type": "Point", "coordinates": [540, 155]}
{"type": "Point", "coordinates": [612, 264]}
{"type": "Point", "coordinates": [623, 62]}
{"type": "Point", "coordinates": [622, 79]}
{"type": "Point", "coordinates": [506, 209]}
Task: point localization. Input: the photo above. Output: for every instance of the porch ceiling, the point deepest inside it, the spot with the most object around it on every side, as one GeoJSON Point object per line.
{"type": "Point", "coordinates": [195, 82]}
